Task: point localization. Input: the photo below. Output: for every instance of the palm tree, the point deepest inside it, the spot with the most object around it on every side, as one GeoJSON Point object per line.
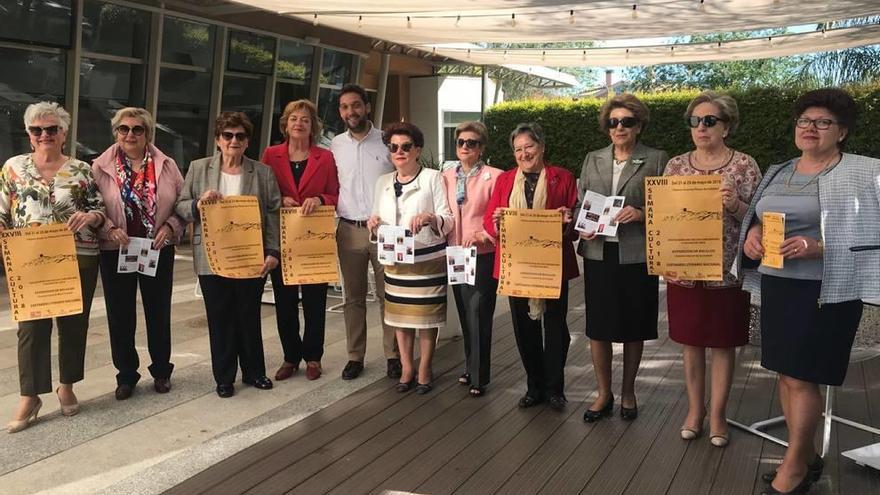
{"type": "Point", "coordinates": [839, 67]}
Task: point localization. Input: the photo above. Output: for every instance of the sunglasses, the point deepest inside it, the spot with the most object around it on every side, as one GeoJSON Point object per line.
{"type": "Point", "coordinates": [37, 131]}
{"type": "Point", "coordinates": [137, 130]}
{"type": "Point", "coordinates": [468, 143]}
{"type": "Point", "coordinates": [241, 136]}
{"type": "Point", "coordinates": [821, 124]}
{"type": "Point", "coordinates": [627, 122]}
{"type": "Point", "coordinates": [708, 121]}
{"type": "Point", "coordinates": [406, 147]}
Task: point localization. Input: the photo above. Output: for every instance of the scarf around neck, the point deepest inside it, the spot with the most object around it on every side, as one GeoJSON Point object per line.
{"type": "Point", "coordinates": [539, 202]}
{"type": "Point", "coordinates": [138, 189]}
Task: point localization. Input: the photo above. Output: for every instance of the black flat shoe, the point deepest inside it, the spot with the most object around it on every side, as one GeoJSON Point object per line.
{"type": "Point", "coordinates": [225, 390]}
{"type": "Point", "coordinates": [528, 401]}
{"type": "Point", "coordinates": [629, 413]}
{"type": "Point", "coordinates": [124, 391]}
{"type": "Point", "coordinates": [352, 370]}
{"type": "Point", "coordinates": [393, 369]}
{"type": "Point", "coordinates": [261, 382]}
{"type": "Point", "coordinates": [591, 416]}
{"type": "Point", "coordinates": [801, 489]}
{"type": "Point", "coordinates": [815, 468]}
{"type": "Point", "coordinates": [403, 387]}
{"type": "Point", "coordinates": [423, 388]}
{"type": "Point", "coordinates": [557, 402]}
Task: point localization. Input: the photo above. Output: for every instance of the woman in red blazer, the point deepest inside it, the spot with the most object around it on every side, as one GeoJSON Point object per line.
{"type": "Point", "coordinates": [307, 177]}
{"type": "Point", "coordinates": [536, 185]}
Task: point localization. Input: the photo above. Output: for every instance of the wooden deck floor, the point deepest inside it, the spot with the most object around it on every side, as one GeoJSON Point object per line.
{"type": "Point", "coordinates": [379, 441]}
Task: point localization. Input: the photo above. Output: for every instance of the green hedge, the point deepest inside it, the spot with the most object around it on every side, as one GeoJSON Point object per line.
{"type": "Point", "coordinates": [765, 131]}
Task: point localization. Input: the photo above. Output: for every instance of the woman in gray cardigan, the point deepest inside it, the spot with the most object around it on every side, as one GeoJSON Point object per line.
{"type": "Point", "coordinates": [621, 297]}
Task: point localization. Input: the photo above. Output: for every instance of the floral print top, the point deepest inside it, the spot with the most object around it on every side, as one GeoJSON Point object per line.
{"type": "Point", "coordinates": [28, 200]}
{"type": "Point", "coordinates": [741, 171]}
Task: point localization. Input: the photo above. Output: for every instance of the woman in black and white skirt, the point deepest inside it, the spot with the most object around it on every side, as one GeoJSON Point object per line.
{"type": "Point", "coordinates": [414, 197]}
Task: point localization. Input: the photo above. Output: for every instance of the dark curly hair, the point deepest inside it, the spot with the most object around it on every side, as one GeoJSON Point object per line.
{"type": "Point", "coordinates": [228, 120]}
{"type": "Point", "coordinates": [836, 101]}
{"type": "Point", "coordinates": [403, 129]}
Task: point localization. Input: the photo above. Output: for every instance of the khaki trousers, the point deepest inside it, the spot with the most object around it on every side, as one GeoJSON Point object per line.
{"type": "Point", "coordinates": [356, 252]}
{"type": "Point", "coordinates": [35, 340]}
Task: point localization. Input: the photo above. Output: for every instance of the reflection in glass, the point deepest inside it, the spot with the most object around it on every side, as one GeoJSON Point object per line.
{"type": "Point", "coordinates": [250, 53]}
{"type": "Point", "coordinates": [328, 110]}
{"type": "Point", "coordinates": [27, 77]}
{"type": "Point", "coordinates": [182, 115]}
{"type": "Point", "coordinates": [115, 30]}
{"type": "Point", "coordinates": [295, 61]}
{"type": "Point", "coordinates": [104, 88]}
{"type": "Point", "coordinates": [244, 94]}
{"type": "Point", "coordinates": [187, 43]}
{"type": "Point", "coordinates": [41, 21]}
{"type": "Point", "coordinates": [336, 68]}
{"type": "Point", "coordinates": [284, 94]}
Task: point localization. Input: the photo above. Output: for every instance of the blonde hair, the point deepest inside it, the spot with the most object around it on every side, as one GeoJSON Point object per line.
{"type": "Point", "coordinates": [293, 106]}
{"type": "Point", "coordinates": [726, 107]}
{"type": "Point", "coordinates": [44, 109]}
{"type": "Point", "coordinates": [136, 113]}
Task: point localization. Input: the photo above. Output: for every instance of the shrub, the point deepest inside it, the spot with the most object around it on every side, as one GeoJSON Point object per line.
{"type": "Point", "coordinates": [765, 131]}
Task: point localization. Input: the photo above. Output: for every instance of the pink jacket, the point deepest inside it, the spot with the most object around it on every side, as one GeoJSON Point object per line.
{"type": "Point", "coordinates": [168, 184]}
{"type": "Point", "coordinates": [469, 217]}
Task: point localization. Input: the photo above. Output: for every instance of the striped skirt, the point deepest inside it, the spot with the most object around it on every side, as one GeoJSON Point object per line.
{"type": "Point", "coordinates": [415, 295]}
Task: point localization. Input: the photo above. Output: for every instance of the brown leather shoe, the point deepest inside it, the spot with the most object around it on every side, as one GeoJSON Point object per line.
{"type": "Point", "coordinates": [286, 371]}
{"type": "Point", "coordinates": [162, 385]}
{"type": "Point", "coordinates": [313, 370]}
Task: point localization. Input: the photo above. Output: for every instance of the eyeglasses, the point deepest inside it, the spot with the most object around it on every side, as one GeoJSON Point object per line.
{"type": "Point", "coordinates": [137, 130]}
{"type": "Point", "coordinates": [241, 136]}
{"type": "Point", "coordinates": [821, 124]}
{"type": "Point", "coordinates": [707, 120]}
{"type": "Point", "coordinates": [468, 143]}
{"type": "Point", "coordinates": [37, 131]}
{"type": "Point", "coordinates": [626, 122]}
{"type": "Point", "coordinates": [406, 147]}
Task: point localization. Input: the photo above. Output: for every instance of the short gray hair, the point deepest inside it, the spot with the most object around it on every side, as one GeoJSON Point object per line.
{"type": "Point", "coordinates": [726, 107]}
{"type": "Point", "coordinates": [43, 109]}
{"type": "Point", "coordinates": [136, 113]}
{"type": "Point", "coordinates": [532, 129]}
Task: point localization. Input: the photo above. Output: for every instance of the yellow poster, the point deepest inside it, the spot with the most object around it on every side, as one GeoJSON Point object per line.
{"type": "Point", "coordinates": [531, 253]}
{"type": "Point", "coordinates": [233, 236]}
{"type": "Point", "coordinates": [772, 238]}
{"type": "Point", "coordinates": [308, 246]}
{"type": "Point", "coordinates": [42, 272]}
{"type": "Point", "coordinates": [683, 227]}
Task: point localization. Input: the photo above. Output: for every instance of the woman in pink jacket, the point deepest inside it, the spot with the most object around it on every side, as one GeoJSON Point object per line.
{"type": "Point", "coordinates": [469, 186]}
{"type": "Point", "coordinates": [140, 186]}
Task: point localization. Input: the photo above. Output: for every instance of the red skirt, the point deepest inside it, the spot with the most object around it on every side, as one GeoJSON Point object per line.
{"type": "Point", "coordinates": [704, 317]}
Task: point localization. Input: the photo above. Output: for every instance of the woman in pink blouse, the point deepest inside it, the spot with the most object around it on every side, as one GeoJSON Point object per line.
{"type": "Point", "coordinates": [712, 314]}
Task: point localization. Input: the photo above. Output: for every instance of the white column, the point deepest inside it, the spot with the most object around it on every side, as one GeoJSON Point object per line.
{"type": "Point", "coordinates": [379, 111]}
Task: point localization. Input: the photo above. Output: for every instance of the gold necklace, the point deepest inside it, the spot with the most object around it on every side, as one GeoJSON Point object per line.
{"type": "Point", "coordinates": [828, 166]}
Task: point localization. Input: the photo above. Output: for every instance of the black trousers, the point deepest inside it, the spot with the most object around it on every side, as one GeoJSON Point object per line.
{"type": "Point", "coordinates": [233, 310]}
{"type": "Point", "coordinates": [120, 299]}
{"type": "Point", "coordinates": [476, 310]}
{"type": "Point", "coordinates": [544, 352]}
{"type": "Point", "coordinates": [309, 347]}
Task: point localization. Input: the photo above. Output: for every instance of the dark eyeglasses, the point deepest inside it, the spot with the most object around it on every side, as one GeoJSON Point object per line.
{"type": "Point", "coordinates": [37, 131]}
{"type": "Point", "coordinates": [468, 143]}
{"type": "Point", "coordinates": [626, 122]}
{"type": "Point", "coordinates": [707, 120]}
{"type": "Point", "coordinates": [241, 136]}
{"type": "Point", "coordinates": [821, 124]}
{"type": "Point", "coordinates": [406, 147]}
{"type": "Point", "coordinates": [137, 130]}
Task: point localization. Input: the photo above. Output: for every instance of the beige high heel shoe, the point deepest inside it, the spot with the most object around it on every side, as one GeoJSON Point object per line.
{"type": "Point", "coordinates": [67, 410]}
{"type": "Point", "coordinates": [16, 426]}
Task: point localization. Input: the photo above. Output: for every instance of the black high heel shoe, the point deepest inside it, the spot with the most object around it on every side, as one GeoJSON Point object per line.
{"type": "Point", "coordinates": [591, 416]}
{"type": "Point", "coordinates": [815, 468]}
{"type": "Point", "coordinates": [802, 488]}
{"type": "Point", "coordinates": [629, 413]}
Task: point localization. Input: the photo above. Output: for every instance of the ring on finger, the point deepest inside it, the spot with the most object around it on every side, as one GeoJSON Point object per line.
{"type": "Point", "coordinates": [805, 243]}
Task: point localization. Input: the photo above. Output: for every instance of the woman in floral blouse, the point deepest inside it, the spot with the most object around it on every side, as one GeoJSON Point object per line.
{"type": "Point", "coordinates": [45, 187]}
{"type": "Point", "coordinates": [712, 314]}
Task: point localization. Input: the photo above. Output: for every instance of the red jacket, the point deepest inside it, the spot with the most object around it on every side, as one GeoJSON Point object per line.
{"type": "Point", "coordinates": [318, 179]}
{"type": "Point", "coordinates": [561, 191]}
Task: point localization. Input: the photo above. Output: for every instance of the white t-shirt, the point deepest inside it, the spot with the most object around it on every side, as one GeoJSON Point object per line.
{"type": "Point", "coordinates": [359, 165]}
{"type": "Point", "coordinates": [230, 184]}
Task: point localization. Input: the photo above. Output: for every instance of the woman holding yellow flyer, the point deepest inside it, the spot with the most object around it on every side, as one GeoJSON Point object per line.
{"type": "Point", "coordinates": [46, 187]}
{"type": "Point", "coordinates": [811, 307]}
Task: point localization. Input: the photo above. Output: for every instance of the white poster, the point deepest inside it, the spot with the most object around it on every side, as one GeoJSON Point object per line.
{"type": "Point", "coordinates": [461, 265]}
{"type": "Point", "coordinates": [597, 214]}
{"type": "Point", "coordinates": [396, 245]}
{"type": "Point", "coordinates": [138, 257]}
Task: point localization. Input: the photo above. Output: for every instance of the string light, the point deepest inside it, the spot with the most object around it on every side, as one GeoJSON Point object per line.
{"type": "Point", "coordinates": [584, 55]}
{"type": "Point", "coordinates": [543, 56]}
{"type": "Point", "coordinates": [635, 11]}
{"type": "Point", "coordinates": [315, 20]}
{"type": "Point", "coordinates": [824, 34]}
{"type": "Point", "coordinates": [770, 39]}
{"type": "Point", "coordinates": [505, 55]}
{"type": "Point", "coordinates": [513, 20]}
{"type": "Point", "coordinates": [360, 21]}
{"type": "Point", "coordinates": [458, 21]}
{"type": "Point", "coordinates": [625, 55]}
{"type": "Point", "coordinates": [702, 7]}
{"type": "Point", "coordinates": [571, 16]}
{"type": "Point", "coordinates": [408, 23]}
{"type": "Point", "coordinates": [469, 53]}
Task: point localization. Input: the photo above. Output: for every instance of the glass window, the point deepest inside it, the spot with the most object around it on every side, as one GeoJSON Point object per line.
{"type": "Point", "coordinates": [115, 30]}
{"type": "Point", "coordinates": [187, 43]}
{"type": "Point", "coordinates": [328, 110]}
{"type": "Point", "coordinates": [40, 21]}
{"type": "Point", "coordinates": [104, 88]}
{"type": "Point", "coordinates": [27, 77]}
{"type": "Point", "coordinates": [455, 118]}
{"type": "Point", "coordinates": [284, 94]}
{"type": "Point", "coordinates": [182, 115]}
{"type": "Point", "coordinates": [336, 68]}
{"type": "Point", "coordinates": [250, 53]}
{"type": "Point", "coordinates": [295, 61]}
{"type": "Point", "coordinates": [243, 94]}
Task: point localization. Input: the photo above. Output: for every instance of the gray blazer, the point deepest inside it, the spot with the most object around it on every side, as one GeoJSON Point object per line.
{"type": "Point", "coordinates": [257, 180]}
{"type": "Point", "coordinates": [597, 176]}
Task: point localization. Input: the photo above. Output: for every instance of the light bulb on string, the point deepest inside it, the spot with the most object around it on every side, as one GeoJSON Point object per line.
{"type": "Point", "coordinates": [513, 20]}
{"type": "Point", "coordinates": [626, 55]}
{"type": "Point", "coordinates": [543, 56]}
{"type": "Point", "coordinates": [315, 20]}
{"type": "Point", "coordinates": [584, 56]}
{"type": "Point", "coordinates": [469, 53]}
{"type": "Point", "coordinates": [635, 11]}
{"type": "Point", "coordinates": [824, 34]}
{"type": "Point", "coordinates": [408, 23]}
{"type": "Point", "coordinates": [702, 7]}
{"type": "Point", "coordinates": [571, 16]}
{"type": "Point", "coordinates": [504, 56]}
{"type": "Point", "coordinates": [770, 40]}
{"type": "Point", "coordinates": [360, 21]}
{"type": "Point", "coordinates": [457, 21]}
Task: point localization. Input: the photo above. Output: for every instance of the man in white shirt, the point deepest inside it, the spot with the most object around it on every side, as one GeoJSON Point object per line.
{"type": "Point", "coordinates": [361, 157]}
